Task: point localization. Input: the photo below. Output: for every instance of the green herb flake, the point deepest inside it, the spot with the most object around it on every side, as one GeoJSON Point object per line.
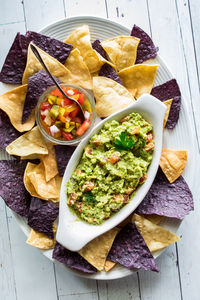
{"type": "Point", "coordinates": [123, 142]}
{"type": "Point", "coordinates": [89, 197]}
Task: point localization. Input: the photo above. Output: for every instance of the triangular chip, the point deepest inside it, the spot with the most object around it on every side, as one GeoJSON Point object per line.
{"type": "Point", "coordinates": [50, 164]}
{"type": "Point", "coordinates": [80, 39]}
{"type": "Point", "coordinates": [110, 96]}
{"type": "Point", "coordinates": [155, 237]}
{"type": "Point", "coordinates": [40, 240]}
{"type": "Point", "coordinates": [31, 142]}
{"type": "Point", "coordinates": [55, 67]}
{"type": "Point", "coordinates": [122, 50]}
{"type": "Point", "coordinates": [36, 185]}
{"type": "Point", "coordinates": [109, 265]}
{"type": "Point", "coordinates": [168, 103]}
{"type": "Point", "coordinates": [76, 65]}
{"type": "Point", "coordinates": [173, 162]}
{"type": "Point", "coordinates": [140, 77]}
{"type": "Point", "coordinates": [96, 251]}
{"type": "Point", "coordinates": [156, 219]}
{"type": "Point", "coordinates": [12, 103]}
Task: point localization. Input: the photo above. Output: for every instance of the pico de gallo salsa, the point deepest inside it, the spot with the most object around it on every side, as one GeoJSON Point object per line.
{"type": "Point", "coordinates": [62, 118]}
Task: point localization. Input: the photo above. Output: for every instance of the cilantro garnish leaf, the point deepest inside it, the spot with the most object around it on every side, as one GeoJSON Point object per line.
{"type": "Point", "coordinates": [123, 142]}
{"type": "Point", "coordinates": [89, 197]}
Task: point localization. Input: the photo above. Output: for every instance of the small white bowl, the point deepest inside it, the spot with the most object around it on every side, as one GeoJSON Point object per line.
{"type": "Point", "coordinates": [74, 234]}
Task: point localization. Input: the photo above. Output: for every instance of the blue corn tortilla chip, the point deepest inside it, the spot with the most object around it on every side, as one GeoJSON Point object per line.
{"type": "Point", "coordinates": [12, 188]}
{"type": "Point", "coordinates": [166, 91]}
{"type": "Point", "coordinates": [173, 200]}
{"type": "Point", "coordinates": [146, 48]}
{"type": "Point", "coordinates": [108, 71]}
{"type": "Point", "coordinates": [130, 250]}
{"type": "Point", "coordinates": [7, 132]}
{"type": "Point", "coordinates": [37, 85]}
{"type": "Point", "coordinates": [15, 62]}
{"type": "Point", "coordinates": [72, 259]}
{"type": "Point", "coordinates": [41, 216]}
{"type": "Point", "coordinates": [63, 155]}
{"type": "Point", "coordinates": [96, 45]}
{"type": "Point", "coordinates": [57, 49]}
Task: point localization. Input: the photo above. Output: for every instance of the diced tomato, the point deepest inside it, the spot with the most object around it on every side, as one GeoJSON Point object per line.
{"type": "Point", "coordinates": [66, 102]}
{"type": "Point", "coordinates": [149, 146]}
{"type": "Point", "coordinates": [81, 98]}
{"type": "Point", "coordinates": [81, 130]}
{"type": "Point", "coordinates": [143, 178]}
{"type": "Point", "coordinates": [57, 93]}
{"type": "Point", "coordinates": [149, 137]}
{"type": "Point", "coordinates": [45, 105]}
{"type": "Point", "coordinates": [77, 92]}
{"type": "Point", "coordinates": [89, 186]}
{"type": "Point", "coordinates": [74, 113]}
{"type": "Point", "coordinates": [67, 136]}
{"type": "Point", "coordinates": [114, 158]}
{"type": "Point", "coordinates": [77, 120]}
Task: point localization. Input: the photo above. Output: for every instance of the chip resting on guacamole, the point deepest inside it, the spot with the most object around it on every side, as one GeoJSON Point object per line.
{"type": "Point", "coordinates": [122, 50]}
{"type": "Point", "coordinates": [156, 237]}
{"type": "Point", "coordinates": [173, 200]}
{"type": "Point", "coordinates": [12, 103]}
{"type": "Point", "coordinates": [130, 250]}
{"type": "Point", "coordinates": [110, 96]}
{"type": "Point", "coordinates": [140, 78]}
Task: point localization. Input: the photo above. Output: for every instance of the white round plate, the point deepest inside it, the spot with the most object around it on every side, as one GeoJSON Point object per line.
{"type": "Point", "coordinates": [103, 29]}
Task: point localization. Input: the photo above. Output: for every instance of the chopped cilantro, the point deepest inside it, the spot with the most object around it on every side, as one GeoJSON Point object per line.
{"type": "Point", "coordinates": [123, 142]}
{"type": "Point", "coordinates": [89, 197]}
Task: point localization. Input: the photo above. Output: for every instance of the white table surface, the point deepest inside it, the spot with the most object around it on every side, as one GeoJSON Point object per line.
{"type": "Point", "coordinates": [25, 274]}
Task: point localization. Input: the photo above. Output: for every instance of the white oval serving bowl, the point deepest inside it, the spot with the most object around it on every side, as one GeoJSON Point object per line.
{"type": "Point", "coordinates": [73, 233]}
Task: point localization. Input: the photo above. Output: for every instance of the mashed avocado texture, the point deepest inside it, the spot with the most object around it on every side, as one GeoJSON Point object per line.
{"type": "Point", "coordinates": [113, 165]}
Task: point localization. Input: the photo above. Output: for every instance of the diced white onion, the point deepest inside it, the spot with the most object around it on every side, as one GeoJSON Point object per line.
{"type": "Point", "coordinates": [53, 130]}
{"type": "Point", "coordinates": [87, 115]}
{"type": "Point", "coordinates": [47, 120]}
{"type": "Point", "coordinates": [44, 112]}
{"type": "Point", "coordinates": [70, 92]}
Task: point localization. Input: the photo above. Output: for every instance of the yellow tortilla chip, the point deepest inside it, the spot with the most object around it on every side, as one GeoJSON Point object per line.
{"type": "Point", "coordinates": [96, 251]}
{"type": "Point", "coordinates": [28, 144]}
{"type": "Point", "coordinates": [40, 240]}
{"type": "Point", "coordinates": [80, 39]}
{"type": "Point", "coordinates": [12, 103]}
{"type": "Point", "coordinates": [76, 65]}
{"type": "Point", "coordinates": [55, 67]}
{"type": "Point", "coordinates": [156, 219]}
{"type": "Point", "coordinates": [36, 185]}
{"type": "Point", "coordinates": [139, 77]}
{"type": "Point", "coordinates": [173, 162]}
{"type": "Point", "coordinates": [109, 265]}
{"type": "Point", "coordinates": [50, 164]}
{"type": "Point", "coordinates": [155, 237]}
{"type": "Point", "coordinates": [110, 96]}
{"type": "Point", "coordinates": [168, 103]}
{"type": "Point", "coordinates": [122, 50]}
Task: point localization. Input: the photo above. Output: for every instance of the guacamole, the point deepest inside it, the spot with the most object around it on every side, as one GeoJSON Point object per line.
{"type": "Point", "coordinates": [113, 165]}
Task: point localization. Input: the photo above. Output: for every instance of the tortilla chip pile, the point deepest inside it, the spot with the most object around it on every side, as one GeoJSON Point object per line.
{"type": "Point", "coordinates": [118, 72]}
